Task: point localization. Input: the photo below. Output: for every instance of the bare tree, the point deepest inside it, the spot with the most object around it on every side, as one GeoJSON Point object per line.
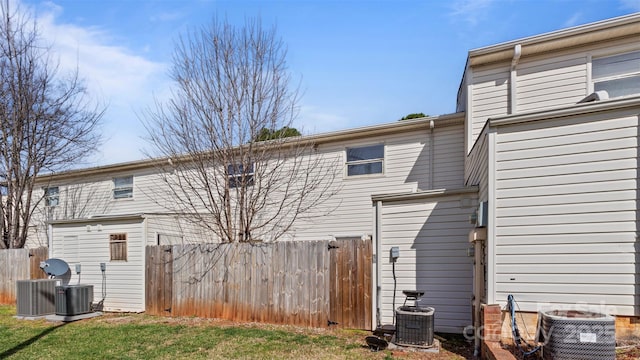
{"type": "Point", "coordinates": [47, 123]}
{"type": "Point", "coordinates": [231, 84]}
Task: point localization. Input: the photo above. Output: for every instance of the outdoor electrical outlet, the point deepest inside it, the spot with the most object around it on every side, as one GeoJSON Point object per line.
{"type": "Point", "coordinates": [395, 253]}
{"type": "Point", "coordinates": [78, 268]}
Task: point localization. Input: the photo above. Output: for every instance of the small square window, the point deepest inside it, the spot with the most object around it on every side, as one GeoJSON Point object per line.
{"type": "Point", "coordinates": [239, 176]}
{"type": "Point", "coordinates": [52, 196]}
{"type": "Point", "coordinates": [123, 187]}
{"type": "Point", "coordinates": [118, 247]}
{"type": "Point", "coordinates": [365, 160]}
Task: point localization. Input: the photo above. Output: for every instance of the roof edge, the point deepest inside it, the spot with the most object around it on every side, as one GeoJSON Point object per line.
{"type": "Point", "coordinates": [424, 194]}
{"type": "Point", "coordinates": [573, 110]}
{"type": "Point", "coordinates": [323, 138]}
{"type": "Point", "coordinates": [604, 30]}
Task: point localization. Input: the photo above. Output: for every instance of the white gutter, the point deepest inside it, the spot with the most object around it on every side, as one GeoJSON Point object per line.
{"type": "Point", "coordinates": [517, 52]}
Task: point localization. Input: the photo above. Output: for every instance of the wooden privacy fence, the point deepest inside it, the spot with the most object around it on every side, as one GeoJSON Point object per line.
{"type": "Point", "coordinates": [306, 283]}
{"type": "Point", "coordinates": [19, 264]}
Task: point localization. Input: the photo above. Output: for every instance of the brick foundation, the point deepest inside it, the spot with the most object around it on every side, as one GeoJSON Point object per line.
{"type": "Point", "coordinates": [492, 319]}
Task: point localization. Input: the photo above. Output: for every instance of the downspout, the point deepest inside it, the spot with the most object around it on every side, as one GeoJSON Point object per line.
{"type": "Point", "coordinates": [517, 52]}
{"type": "Point", "coordinates": [431, 154]}
{"type": "Point", "coordinates": [50, 240]}
{"type": "Point", "coordinates": [378, 267]}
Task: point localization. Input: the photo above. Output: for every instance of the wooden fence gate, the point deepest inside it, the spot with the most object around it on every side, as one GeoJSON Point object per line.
{"type": "Point", "coordinates": [307, 283]}
{"type": "Point", "coordinates": [159, 279]}
{"type": "Point", "coordinates": [350, 285]}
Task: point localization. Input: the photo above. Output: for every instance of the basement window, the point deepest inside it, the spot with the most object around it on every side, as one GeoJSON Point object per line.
{"type": "Point", "coordinates": [51, 196]}
{"type": "Point", "coordinates": [123, 187]}
{"type": "Point", "coordinates": [618, 75]}
{"type": "Point", "coordinates": [118, 247]}
{"type": "Point", "coordinates": [365, 160]}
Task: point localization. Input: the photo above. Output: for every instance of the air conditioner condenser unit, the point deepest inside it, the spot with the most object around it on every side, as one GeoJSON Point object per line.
{"type": "Point", "coordinates": [73, 299]}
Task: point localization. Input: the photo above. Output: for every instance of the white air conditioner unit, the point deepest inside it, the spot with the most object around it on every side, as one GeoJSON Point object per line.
{"type": "Point", "coordinates": [35, 297]}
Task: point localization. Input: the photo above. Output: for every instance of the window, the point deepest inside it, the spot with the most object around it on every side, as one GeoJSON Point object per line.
{"type": "Point", "coordinates": [51, 196]}
{"type": "Point", "coordinates": [118, 247]}
{"type": "Point", "coordinates": [365, 160]}
{"type": "Point", "coordinates": [123, 187]}
{"type": "Point", "coordinates": [238, 175]}
{"type": "Point", "coordinates": [618, 75]}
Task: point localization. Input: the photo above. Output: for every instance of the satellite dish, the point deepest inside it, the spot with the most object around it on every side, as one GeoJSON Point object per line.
{"type": "Point", "coordinates": [54, 267]}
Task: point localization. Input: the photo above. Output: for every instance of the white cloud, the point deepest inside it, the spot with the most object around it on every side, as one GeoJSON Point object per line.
{"type": "Point", "coordinates": [574, 20]}
{"type": "Point", "coordinates": [114, 76]}
{"type": "Point", "coordinates": [471, 11]}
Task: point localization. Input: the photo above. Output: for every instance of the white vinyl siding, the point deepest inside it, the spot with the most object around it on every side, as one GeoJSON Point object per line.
{"type": "Point", "coordinates": [87, 244]}
{"type": "Point", "coordinates": [489, 98]}
{"type": "Point", "coordinates": [548, 83]}
{"type": "Point", "coordinates": [477, 167]}
{"type": "Point", "coordinates": [432, 235]}
{"type": "Point", "coordinates": [448, 157]}
{"type": "Point", "coordinates": [566, 212]}
{"type": "Point", "coordinates": [407, 164]}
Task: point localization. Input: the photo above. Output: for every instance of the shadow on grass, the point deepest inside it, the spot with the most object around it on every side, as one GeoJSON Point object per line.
{"type": "Point", "coordinates": [29, 341]}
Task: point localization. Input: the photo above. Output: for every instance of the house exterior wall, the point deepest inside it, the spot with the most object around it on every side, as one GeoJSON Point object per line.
{"type": "Point", "coordinates": [408, 166]}
{"type": "Point", "coordinates": [489, 97]}
{"type": "Point", "coordinates": [566, 208]}
{"type": "Point", "coordinates": [432, 235]}
{"type": "Point", "coordinates": [414, 160]}
{"type": "Point", "coordinates": [476, 167]}
{"type": "Point", "coordinates": [545, 81]}
{"type": "Point", "coordinates": [87, 243]}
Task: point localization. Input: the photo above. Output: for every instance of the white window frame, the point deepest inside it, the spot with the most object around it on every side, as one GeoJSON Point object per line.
{"type": "Point", "coordinates": [52, 198]}
{"type": "Point", "coordinates": [634, 58]}
{"type": "Point", "coordinates": [122, 191]}
{"type": "Point", "coordinates": [235, 179]}
{"type": "Point", "coordinates": [349, 163]}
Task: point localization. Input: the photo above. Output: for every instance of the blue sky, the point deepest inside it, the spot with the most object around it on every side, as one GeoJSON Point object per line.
{"type": "Point", "coordinates": [358, 62]}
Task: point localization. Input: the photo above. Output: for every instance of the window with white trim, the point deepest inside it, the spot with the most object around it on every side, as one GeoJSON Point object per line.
{"type": "Point", "coordinates": [240, 176]}
{"type": "Point", "coordinates": [123, 187]}
{"type": "Point", "coordinates": [618, 75]}
{"type": "Point", "coordinates": [365, 160]}
{"type": "Point", "coordinates": [51, 196]}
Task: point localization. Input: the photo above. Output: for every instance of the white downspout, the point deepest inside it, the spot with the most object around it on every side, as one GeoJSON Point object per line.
{"type": "Point", "coordinates": [432, 156]}
{"type": "Point", "coordinates": [377, 264]}
{"type": "Point", "coordinates": [50, 240]}
{"type": "Point", "coordinates": [517, 52]}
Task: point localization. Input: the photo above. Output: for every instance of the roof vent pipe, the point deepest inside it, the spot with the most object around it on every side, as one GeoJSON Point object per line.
{"type": "Point", "coordinates": [517, 52]}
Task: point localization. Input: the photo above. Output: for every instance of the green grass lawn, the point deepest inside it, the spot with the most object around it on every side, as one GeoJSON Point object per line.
{"type": "Point", "coordinates": [137, 336]}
